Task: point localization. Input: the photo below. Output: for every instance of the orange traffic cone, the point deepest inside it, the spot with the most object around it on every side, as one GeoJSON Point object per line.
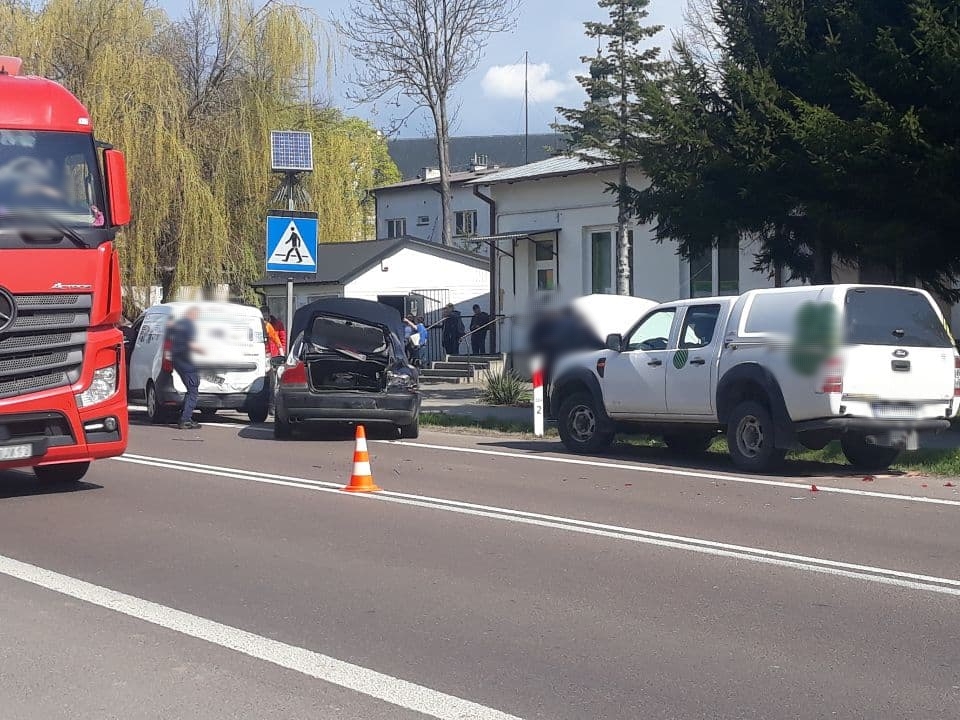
{"type": "Point", "coordinates": [362, 479]}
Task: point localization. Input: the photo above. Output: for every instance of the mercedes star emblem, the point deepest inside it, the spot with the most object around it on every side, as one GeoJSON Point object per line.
{"type": "Point", "coordinates": [8, 310]}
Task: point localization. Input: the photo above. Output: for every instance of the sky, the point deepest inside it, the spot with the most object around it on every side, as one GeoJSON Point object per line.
{"type": "Point", "coordinates": [490, 102]}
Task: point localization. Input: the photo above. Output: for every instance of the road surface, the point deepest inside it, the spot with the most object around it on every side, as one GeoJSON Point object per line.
{"type": "Point", "coordinates": [222, 574]}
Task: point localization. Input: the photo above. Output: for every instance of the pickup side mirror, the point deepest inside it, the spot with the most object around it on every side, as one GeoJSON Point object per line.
{"type": "Point", "coordinates": [615, 342]}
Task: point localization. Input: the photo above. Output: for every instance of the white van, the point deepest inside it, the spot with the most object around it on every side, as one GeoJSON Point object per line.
{"type": "Point", "coordinates": [233, 367]}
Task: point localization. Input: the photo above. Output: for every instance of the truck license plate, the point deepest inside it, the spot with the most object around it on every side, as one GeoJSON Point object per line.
{"type": "Point", "coordinates": [895, 411]}
{"type": "Point", "coordinates": [15, 452]}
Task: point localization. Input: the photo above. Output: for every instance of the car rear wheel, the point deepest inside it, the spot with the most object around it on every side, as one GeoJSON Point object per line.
{"type": "Point", "coordinates": [258, 415]}
{"type": "Point", "coordinates": [689, 443]}
{"type": "Point", "coordinates": [750, 437]}
{"type": "Point", "coordinates": [63, 473]}
{"type": "Point", "coordinates": [864, 456]}
{"type": "Point", "coordinates": [579, 425]}
{"type": "Point", "coordinates": [411, 431]}
{"type": "Point", "coordinates": [282, 430]}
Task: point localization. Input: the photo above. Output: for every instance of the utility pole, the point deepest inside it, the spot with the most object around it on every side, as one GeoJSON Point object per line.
{"type": "Point", "coordinates": [526, 107]}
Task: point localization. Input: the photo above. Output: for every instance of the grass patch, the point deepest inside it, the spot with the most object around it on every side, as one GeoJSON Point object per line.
{"type": "Point", "coordinates": [461, 422]}
{"type": "Point", "coordinates": [505, 388]}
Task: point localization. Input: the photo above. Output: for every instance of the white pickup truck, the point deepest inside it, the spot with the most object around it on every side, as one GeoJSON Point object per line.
{"type": "Point", "coordinates": [777, 369]}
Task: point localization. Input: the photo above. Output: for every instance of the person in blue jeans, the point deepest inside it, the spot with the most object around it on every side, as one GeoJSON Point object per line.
{"type": "Point", "coordinates": [183, 336]}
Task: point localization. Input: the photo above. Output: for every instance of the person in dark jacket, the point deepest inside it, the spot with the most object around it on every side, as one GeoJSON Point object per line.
{"type": "Point", "coordinates": [183, 335]}
{"type": "Point", "coordinates": [453, 330]}
{"type": "Point", "coordinates": [479, 325]}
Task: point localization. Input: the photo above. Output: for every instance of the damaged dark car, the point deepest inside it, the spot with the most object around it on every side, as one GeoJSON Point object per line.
{"type": "Point", "coordinates": [347, 365]}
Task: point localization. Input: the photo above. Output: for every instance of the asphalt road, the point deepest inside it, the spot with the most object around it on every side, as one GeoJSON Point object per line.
{"type": "Point", "coordinates": [222, 574]}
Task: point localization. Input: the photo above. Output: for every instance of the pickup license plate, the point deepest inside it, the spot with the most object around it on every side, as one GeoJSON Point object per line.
{"type": "Point", "coordinates": [895, 411]}
{"type": "Point", "coordinates": [16, 452]}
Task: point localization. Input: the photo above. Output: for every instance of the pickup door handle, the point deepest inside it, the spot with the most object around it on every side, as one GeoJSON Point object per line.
{"type": "Point", "coordinates": [655, 363]}
{"type": "Point", "coordinates": [698, 361]}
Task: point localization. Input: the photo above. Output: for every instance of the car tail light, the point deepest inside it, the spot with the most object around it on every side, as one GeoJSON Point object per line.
{"type": "Point", "coordinates": [294, 376]}
{"type": "Point", "coordinates": [833, 380]}
{"type": "Point", "coordinates": [956, 376]}
{"type": "Point", "coordinates": [167, 364]}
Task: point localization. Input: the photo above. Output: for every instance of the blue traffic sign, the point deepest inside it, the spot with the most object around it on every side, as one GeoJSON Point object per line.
{"type": "Point", "coordinates": [291, 244]}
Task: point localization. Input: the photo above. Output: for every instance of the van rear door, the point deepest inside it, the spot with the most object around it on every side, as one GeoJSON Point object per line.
{"type": "Point", "coordinates": [896, 348]}
{"type": "Point", "coordinates": [233, 354]}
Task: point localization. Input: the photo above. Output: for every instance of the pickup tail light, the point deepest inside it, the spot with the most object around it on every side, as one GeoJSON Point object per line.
{"type": "Point", "coordinates": [956, 376]}
{"type": "Point", "coordinates": [167, 364]}
{"type": "Point", "coordinates": [833, 378]}
{"type": "Point", "coordinates": [294, 376]}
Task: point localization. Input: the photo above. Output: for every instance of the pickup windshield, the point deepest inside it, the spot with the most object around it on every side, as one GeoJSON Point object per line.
{"type": "Point", "coordinates": [52, 174]}
{"type": "Point", "coordinates": [892, 316]}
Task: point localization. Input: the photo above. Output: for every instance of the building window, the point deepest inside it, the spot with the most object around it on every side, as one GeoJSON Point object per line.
{"type": "Point", "coordinates": [423, 220]}
{"type": "Point", "coordinates": [465, 222]}
{"type": "Point", "coordinates": [396, 228]}
{"type": "Point", "coordinates": [601, 262]}
{"type": "Point", "coordinates": [546, 266]}
{"type": "Point", "coordinates": [701, 274]}
{"type": "Point", "coordinates": [728, 267]}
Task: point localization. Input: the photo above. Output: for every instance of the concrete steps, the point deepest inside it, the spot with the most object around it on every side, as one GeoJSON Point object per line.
{"type": "Point", "coordinates": [462, 369]}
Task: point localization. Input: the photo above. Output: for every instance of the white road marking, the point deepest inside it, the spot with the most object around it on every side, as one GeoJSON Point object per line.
{"type": "Point", "coordinates": [886, 576]}
{"type": "Point", "coordinates": [368, 682]}
{"type": "Point", "coordinates": [660, 470]}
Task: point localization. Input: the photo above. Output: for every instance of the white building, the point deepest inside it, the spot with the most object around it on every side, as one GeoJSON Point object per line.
{"type": "Point", "coordinates": [412, 275]}
{"type": "Point", "coordinates": [412, 208]}
{"type": "Point", "coordinates": [555, 240]}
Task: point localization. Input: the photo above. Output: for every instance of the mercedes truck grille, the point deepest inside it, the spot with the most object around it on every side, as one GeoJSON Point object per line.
{"type": "Point", "coordinates": [43, 349]}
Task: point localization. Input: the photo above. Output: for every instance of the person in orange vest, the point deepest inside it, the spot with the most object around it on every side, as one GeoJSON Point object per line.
{"type": "Point", "coordinates": [275, 344]}
{"type": "Point", "coordinates": [281, 331]}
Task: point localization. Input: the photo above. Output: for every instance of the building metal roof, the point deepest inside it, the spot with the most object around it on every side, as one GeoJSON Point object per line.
{"type": "Point", "coordinates": [551, 167]}
{"type": "Point", "coordinates": [413, 154]}
{"type": "Point", "coordinates": [339, 263]}
{"type": "Point", "coordinates": [456, 178]}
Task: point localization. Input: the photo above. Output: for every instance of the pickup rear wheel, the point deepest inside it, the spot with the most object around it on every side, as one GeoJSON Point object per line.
{"type": "Point", "coordinates": [750, 437]}
{"type": "Point", "coordinates": [579, 425]}
{"type": "Point", "coordinates": [864, 456]}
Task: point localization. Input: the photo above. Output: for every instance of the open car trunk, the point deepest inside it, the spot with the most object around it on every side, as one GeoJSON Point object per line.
{"type": "Point", "coordinates": [346, 355]}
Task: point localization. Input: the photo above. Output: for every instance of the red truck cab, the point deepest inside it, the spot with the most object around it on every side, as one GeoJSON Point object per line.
{"type": "Point", "coordinates": [63, 197]}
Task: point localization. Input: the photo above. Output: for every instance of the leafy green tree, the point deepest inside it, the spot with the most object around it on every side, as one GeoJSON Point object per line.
{"type": "Point", "coordinates": [609, 126]}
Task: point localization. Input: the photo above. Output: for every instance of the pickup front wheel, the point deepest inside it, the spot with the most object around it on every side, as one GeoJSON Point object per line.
{"type": "Point", "coordinates": [579, 425]}
{"type": "Point", "coordinates": [750, 438]}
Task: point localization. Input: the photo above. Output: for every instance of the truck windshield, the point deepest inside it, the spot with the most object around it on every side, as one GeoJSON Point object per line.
{"type": "Point", "coordinates": [54, 174]}
{"type": "Point", "coordinates": [892, 316]}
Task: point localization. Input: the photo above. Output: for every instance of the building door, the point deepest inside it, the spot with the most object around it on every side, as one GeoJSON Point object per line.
{"type": "Point", "coordinates": [432, 303]}
{"type": "Point", "coordinates": [397, 302]}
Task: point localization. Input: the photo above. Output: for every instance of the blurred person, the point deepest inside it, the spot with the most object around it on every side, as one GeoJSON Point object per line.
{"type": "Point", "coordinates": [453, 330]}
{"type": "Point", "coordinates": [479, 325]}
{"type": "Point", "coordinates": [183, 334]}
{"type": "Point", "coordinates": [275, 344]}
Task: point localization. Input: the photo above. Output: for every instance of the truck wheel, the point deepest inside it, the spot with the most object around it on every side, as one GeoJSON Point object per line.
{"type": "Point", "coordinates": [155, 412]}
{"type": "Point", "coordinates": [750, 438]}
{"type": "Point", "coordinates": [411, 431]}
{"type": "Point", "coordinates": [864, 456]}
{"type": "Point", "coordinates": [63, 473]}
{"type": "Point", "coordinates": [579, 425]}
{"type": "Point", "coordinates": [258, 415]}
{"type": "Point", "coordinates": [282, 430]}
{"type": "Point", "coordinates": [690, 443]}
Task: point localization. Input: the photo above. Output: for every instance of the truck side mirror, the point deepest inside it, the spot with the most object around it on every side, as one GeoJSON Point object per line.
{"type": "Point", "coordinates": [118, 192]}
{"type": "Point", "coordinates": [615, 342]}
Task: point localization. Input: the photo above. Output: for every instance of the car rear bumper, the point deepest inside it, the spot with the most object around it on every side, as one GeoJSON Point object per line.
{"type": "Point", "coordinates": [873, 425]}
{"type": "Point", "coordinates": [296, 406]}
{"type": "Point", "coordinates": [169, 396]}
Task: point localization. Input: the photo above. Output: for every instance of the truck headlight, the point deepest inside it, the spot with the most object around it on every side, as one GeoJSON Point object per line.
{"type": "Point", "coordinates": [400, 381]}
{"type": "Point", "coordinates": [102, 387]}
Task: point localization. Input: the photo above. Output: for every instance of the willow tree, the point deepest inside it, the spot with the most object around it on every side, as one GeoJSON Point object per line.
{"type": "Point", "coordinates": [191, 102]}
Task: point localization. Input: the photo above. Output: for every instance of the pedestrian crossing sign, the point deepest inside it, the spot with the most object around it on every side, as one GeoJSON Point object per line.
{"type": "Point", "coordinates": [292, 243]}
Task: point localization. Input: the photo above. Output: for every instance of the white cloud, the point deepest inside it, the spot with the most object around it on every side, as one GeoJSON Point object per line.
{"type": "Point", "coordinates": [505, 82]}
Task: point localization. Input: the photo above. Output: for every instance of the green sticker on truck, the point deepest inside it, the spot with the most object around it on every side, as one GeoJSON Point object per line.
{"type": "Point", "coordinates": [680, 358]}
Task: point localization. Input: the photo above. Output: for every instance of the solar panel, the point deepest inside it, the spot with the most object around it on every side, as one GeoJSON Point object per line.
{"type": "Point", "coordinates": [291, 151]}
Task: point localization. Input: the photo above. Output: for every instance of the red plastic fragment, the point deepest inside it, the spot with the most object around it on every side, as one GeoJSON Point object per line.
{"type": "Point", "coordinates": [814, 488]}
{"type": "Point", "coordinates": [868, 478]}
{"type": "Point", "coordinates": [948, 484]}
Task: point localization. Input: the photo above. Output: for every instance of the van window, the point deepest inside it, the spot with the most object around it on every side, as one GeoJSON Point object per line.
{"type": "Point", "coordinates": [892, 316]}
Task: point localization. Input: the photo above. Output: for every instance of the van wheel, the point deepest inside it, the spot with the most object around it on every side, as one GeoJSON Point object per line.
{"type": "Point", "coordinates": [579, 425]}
{"type": "Point", "coordinates": [750, 438]}
{"type": "Point", "coordinates": [63, 473]}
{"type": "Point", "coordinates": [690, 443]}
{"type": "Point", "coordinates": [258, 415]}
{"type": "Point", "coordinates": [155, 412]}
{"type": "Point", "coordinates": [864, 456]}
{"type": "Point", "coordinates": [411, 431]}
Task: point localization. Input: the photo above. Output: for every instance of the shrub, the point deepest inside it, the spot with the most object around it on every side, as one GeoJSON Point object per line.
{"type": "Point", "coordinates": [505, 388]}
